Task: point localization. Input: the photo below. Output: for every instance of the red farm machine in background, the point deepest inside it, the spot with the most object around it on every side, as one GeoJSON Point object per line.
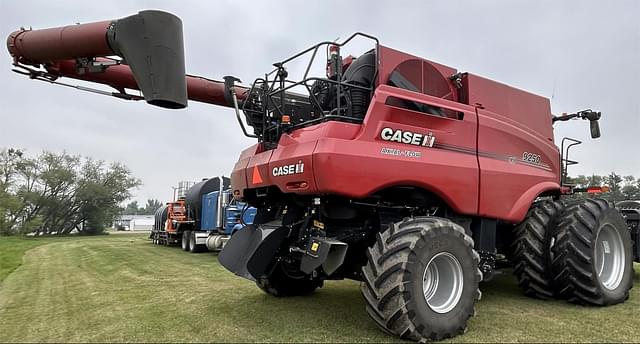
{"type": "Point", "coordinates": [387, 168]}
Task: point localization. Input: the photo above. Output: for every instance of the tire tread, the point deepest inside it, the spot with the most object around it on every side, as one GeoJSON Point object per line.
{"type": "Point", "coordinates": [573, 258]}
{"type": "Point", "coordinates": [386, 276]}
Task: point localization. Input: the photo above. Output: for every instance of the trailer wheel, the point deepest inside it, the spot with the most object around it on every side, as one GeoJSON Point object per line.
{"type": "Point", "coordinates": [421, 279]}
{"type": "Point", "coordinates": [285, 282]}
{"type": "Point", "coordinates": [184, 242]}
{"type": "Point", "coordinates": [531, 250]}
{"type": "Point", "coordinates": [592, 258]}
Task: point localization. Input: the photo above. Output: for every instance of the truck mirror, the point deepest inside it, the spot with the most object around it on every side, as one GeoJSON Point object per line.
{"type": "Point", "coordinates": [595, 129]}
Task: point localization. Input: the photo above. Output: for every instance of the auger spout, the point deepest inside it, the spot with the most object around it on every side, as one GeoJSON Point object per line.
{"type": "Point", "coordinates": [149, 42]}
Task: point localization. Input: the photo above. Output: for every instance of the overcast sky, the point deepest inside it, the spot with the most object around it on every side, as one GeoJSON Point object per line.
{"type": "Point", "coordinates": [584, 53]}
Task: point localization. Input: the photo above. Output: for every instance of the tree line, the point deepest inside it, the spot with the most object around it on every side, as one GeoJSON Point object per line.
{"type": "Point", "coordinates": [132, 208]}
{"type": "Point", "coordinates": [620, 187]}
{"type": "Point", "coordinates": [57, 193]}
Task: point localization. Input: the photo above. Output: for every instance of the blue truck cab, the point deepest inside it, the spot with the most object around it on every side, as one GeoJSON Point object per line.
{"type": "Point", "coordinates": [223, 215]}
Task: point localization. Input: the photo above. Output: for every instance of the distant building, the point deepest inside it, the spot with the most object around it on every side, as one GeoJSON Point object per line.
{"type": "Point", "coordinates": [141, 223]}
{"type": "Point", "coordinates": [134, 222]}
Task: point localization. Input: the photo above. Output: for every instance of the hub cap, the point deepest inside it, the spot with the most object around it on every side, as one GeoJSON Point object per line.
{"type": "Point", "coordinates": [442, 282]}
{"type": "Point", "coordinates": [609, 257]}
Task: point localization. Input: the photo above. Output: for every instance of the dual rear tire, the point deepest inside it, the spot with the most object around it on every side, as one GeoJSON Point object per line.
{"type": "Point", "coordinates": [189, 242]}
{"type": "Point", "coordinates": [592, 255]}
{"type": "Point", "coordinates": [580, 251]}
{"type": "Point", "coordinates": [532, 249]}
{"type": "Point", "coordinates": [184, 241]}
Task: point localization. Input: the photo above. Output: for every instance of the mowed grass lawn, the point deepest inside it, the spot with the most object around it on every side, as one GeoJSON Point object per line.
{"type": "Point", "coordinates": [121, 288]}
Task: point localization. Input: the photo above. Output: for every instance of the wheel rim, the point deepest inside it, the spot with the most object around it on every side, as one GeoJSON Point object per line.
{"type": "Point", "coordinates": [609, 257]}
{"type": "Point", "coordinates": [442, 282]}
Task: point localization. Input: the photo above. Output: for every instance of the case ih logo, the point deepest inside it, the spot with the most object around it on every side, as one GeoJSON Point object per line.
{"type": "Point", "coordinates": [288, 169]}
{"type": "Point", "coordinates": [408, 137]}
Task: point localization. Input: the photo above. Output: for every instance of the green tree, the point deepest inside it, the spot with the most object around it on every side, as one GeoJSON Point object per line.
{"type": "Point", "coordinates": [131, 208]}
{"type": "Point", "coordinates": [10, 203]}
{"type": "Point", "coordinates": [580, 181]}
{"type": "Point", "coordinates": [614, 181]}
{"type": "Point", "coordinates": [630, 188]}
{"type": "Point", "coordinates": [594, 180]}
{"type": "Point", "coordinates": [152, 206]}
{"type": "Point", "coordinates": [103, 189]}
{"type": "Point", "coordinates": [59, 193]}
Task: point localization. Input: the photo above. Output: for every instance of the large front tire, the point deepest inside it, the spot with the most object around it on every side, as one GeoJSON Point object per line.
{"type": "Point", "coordinates": [592, 257]}
{"type": "Point", "coordinates": [421, 279]}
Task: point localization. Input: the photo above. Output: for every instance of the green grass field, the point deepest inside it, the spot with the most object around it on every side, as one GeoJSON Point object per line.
{"type": "Point", "coordinates": [121, 288]}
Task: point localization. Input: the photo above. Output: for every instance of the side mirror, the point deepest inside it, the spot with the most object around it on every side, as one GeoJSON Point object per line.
{"type": "Point", "coordinates": [591, 115]}
{"type": "Point", "coordinates": [595, 129]}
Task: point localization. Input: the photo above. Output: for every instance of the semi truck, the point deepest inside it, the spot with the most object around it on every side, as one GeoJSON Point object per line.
{"type": "Point", "coordinates": [408, 175]}
{"type": "Point", "coordinates": [203, 217]}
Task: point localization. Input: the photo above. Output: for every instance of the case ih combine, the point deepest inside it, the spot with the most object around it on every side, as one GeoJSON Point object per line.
{"type": "Point", "coordinates": [402, 173]}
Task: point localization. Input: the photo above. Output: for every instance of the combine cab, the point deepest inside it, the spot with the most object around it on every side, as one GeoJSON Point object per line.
{"type": "Point", "coordinates": [405, 174]}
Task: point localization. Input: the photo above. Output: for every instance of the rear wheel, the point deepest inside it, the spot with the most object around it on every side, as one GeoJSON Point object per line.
{"type": "Point", "coordinates": [193, 245]}
{"type": "Point", "coordinates": [421, 279]}
{"type": "Point", "coordinates": [193, 248]}
{"type": "Point", "coordinates": [592, 257]}
{"type": "Point", "coordinates": [531, 250]}
{"type": "Point", "coordinates": [288, 282]}
{"type": "Point", "coordinates": [184, 243]}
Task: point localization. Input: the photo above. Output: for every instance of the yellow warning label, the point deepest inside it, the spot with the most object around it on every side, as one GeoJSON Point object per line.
{"type": "Point", "coordinates": [314, 246]}
{"type": "Point", "coordinates": [318, 224]}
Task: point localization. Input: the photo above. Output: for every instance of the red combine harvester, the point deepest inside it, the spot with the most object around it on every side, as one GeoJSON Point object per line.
{"type": "Point", "coordinates": [405, 174]}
